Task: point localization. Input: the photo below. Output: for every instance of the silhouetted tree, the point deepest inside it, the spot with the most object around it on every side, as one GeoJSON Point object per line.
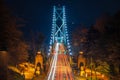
{"type": "Point", "coordinates": [11, 37]}
{"type": "Point", "coordinates": [35, 43]}
{"type": "Point", "coordinates": [79, 39]}
{"type": "Point", "coordinates": [102, 43]}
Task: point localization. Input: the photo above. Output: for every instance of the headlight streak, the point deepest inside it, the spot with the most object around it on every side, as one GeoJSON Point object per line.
{"type": "Point", "coordinates": [53, 68]}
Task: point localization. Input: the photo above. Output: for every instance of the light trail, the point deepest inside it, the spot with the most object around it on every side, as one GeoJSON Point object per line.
{"type": "Point", "coordinates": [56, 55]}
{"type": "Point", "coordinates": [54, 62]}
{"type": "Point", "coordinates": [60, 68]}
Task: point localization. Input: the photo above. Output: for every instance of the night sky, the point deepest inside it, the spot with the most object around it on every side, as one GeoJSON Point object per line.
{"type": "Point", "coordinates": [38, 13]}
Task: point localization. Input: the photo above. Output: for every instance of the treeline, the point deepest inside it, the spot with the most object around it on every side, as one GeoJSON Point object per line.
{"type": "Point", "coordinates": [101, 42]}
{"type": "Point", "coordinates": [11, 39]}
{"type": "Point", "coordinates": [19, 47]}
{"type": "Point", "coordinates": [13, 47]}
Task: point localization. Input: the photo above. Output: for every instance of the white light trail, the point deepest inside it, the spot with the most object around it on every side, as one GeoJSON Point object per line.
{"type": "Point", "coordinates": [53, 66]}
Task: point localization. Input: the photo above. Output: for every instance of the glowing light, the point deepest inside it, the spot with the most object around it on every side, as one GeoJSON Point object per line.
{"type": "Point", "coordinates": [49, 50]}
{"type": "Point", "coordinates": [68, 46]}
{"type": "Point", "coordinates": [70, 53]}
{"type": "Point", "coordinates": [59, 32]}
{"type": "Point", "coordinates": [69, 50]}
{"type": "Point", "coordinates": [53, 68]}
{"type": "Point", "coordinates": [67, 40]}
{"type": "Point", "coordinates": [68, 43]}
{"type": "Point", "coordinates": [81, 52]}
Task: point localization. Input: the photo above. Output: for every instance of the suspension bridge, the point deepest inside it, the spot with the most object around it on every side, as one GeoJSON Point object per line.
{"type": "Point", "coordinates": [59, 48]}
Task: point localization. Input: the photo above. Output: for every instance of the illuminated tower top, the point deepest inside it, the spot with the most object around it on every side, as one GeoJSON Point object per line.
{"type": "Point", "coordinates": [59, 28]}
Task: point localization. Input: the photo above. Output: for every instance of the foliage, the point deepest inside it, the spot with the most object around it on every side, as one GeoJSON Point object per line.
{"type": "Point", "coordinates": [79, 39]}
{"type": "Point", "coordinates": [103, 44]}
{"type": "Point", "coordinates": [14, 75]}
{"type": "Point", "coordinates": [103, 67]}
{"type": "Point", "coordinates": [35, 44]}
{"type": "Point", "coordinates": [11, 37]}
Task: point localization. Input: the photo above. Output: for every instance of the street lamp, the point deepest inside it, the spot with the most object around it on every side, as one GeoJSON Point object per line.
{"type": "Point", "coordinates": [81, 52]}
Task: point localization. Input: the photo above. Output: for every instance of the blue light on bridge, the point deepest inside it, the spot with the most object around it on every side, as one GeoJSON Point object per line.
{"type": "Point", "coordinates": [59, 31]}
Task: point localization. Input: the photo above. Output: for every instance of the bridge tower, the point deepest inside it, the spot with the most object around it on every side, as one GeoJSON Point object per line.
{"type": "Point", "coordinates": [59, 31]}
{"type": "Point", "coordinates": [59, 68]}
